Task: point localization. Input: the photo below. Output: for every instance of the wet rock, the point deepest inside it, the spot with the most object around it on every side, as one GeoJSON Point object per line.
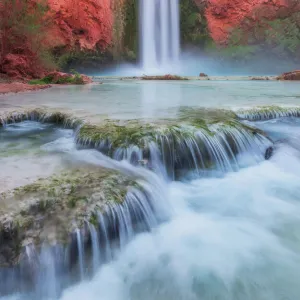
{"type": "Point", "coordinates": [269, 153]}
{"type": "Point", "coordinates": [86, 79]}
{"type": "Point", "coordinates": [49, 210]}
{"type": "Point", "coordinates": [259, 78]}
{"type": "Point", "coordinates": [164, 77]}
{"type": "Point", "coordinates": [203, 75]}
{"type": "Point", "coordinates": [294, 75]}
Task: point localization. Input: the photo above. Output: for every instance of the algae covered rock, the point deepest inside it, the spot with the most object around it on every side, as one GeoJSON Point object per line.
{"type": "Point", "coordinates": [50, 210]}
{"type": "Point", "coordinates": [199, 139]}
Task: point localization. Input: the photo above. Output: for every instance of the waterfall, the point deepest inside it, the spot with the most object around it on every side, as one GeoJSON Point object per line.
{"type": "Point", "coordinates": [159, 34]}
{"type": "Point", "coordinates": [95, 247]}
{"type": "Point", "coordinates": [80, 246]}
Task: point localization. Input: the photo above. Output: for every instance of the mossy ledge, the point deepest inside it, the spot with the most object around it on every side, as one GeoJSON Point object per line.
{"type": "Point", "coordinates": [268, 112]}
{"type": "Point", "coordinates": [192, 142]}
{"type": "Point", "coordinates": [184, 143]}
{"type": "Point", "coordinates": [40, 115]}
{"type": "Point", "coordinates": [50, 210]}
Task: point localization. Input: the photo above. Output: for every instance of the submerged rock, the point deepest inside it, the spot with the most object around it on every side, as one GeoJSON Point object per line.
{"type": "Point", "coordinates": [269, 153]}
{"type": "Point", "coordinates": [203, 75]}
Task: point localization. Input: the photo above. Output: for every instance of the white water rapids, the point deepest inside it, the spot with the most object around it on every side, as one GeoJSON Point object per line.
{"type": "Point", "coordinates": [235, 237]}
{"type": "Point", "coordinates": [231, 238]}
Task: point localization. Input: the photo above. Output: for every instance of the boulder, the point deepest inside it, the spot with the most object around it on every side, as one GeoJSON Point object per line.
{"type": "Point", "coordinates": [294, 75]}
{"type": "Point", "coordinates": [203, 75]}
{"type": "Point", "coordinates": [86, 79]}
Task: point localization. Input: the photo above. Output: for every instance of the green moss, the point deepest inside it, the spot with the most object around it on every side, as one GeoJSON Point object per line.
{"type": "Point", "coordinates": [193, 24]}
{"type": "Point", "coordinates": [74, 78]}
{"type": "Point", "coordinates": [279, 37]}
{"type": "Point", "coordinates": [111, 136]}
{"type": "Point", "coordinates": [203, 117]}
{"type": "Point", "coordinates": [268, 112]}
{"type": "Point", "coordinates": [131, 30]}
{"type": "Point", "coordinates": [117, 136]}
{"type": "Point", "coordinates": [83, 59]}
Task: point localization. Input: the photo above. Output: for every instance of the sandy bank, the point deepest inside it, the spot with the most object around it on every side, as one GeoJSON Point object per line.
{"type": "Point", "coordinates": [17, 87]}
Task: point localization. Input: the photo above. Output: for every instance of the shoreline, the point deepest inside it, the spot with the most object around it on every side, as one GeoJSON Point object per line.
{"type": "Point", "coordinates": [191, 78]}
{"type": "Point", "coordinates": [19, 87]}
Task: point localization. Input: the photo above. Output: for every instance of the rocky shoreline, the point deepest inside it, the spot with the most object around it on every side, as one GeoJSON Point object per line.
{"type": "Point", "coordinates": [18, 87]}
{"type": "Point", "coordinates": [63, 79]}
{"type": "Point", "coordinates": [8, 85]}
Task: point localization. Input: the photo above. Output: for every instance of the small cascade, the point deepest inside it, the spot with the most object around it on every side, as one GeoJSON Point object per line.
{"type": "Point", "coordinates": [171, 151]}
{"type": "Point", "coordinates": [175, 150]}
{"type": "Point", "coordinates": [44, 271]}
{"type": "Point", "coordinates": [267, 113]}
{"type": "Point", "coordinates": [95, 247]}
{"type": "Point", "coordinates": [42, 116]}
{"type": "Point", "coordinates": [159, 34]}
{"type": "Point", "coordinates": [81, 257]}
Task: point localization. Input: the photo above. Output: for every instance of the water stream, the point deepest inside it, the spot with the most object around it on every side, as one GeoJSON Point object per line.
{"type": "Point", "coordinates": [235, 237]}
{"type": "Point", "coordinates": [228, 231]}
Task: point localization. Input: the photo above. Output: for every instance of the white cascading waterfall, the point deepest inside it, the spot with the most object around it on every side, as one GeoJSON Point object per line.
{"type": "Point", "coordinates": [159, 34]}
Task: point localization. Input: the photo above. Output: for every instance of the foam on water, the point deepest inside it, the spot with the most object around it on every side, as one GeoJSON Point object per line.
{"type": "Point", "coordinates": [235, 238]}
{"type": "Point", "coordinates": [226, 240]}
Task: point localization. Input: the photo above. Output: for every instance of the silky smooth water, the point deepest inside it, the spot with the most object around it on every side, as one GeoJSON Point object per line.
{"type": "Point", "coordinates": [235, 236]}
{"type": "Point", "coordinates": [31, 150]}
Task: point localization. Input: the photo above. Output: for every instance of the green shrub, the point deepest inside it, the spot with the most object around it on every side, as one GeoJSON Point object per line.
{"type": "Point", "coordinates": [193, 24]}
{"type": "Point", "coordinates": [74, 78]}
{"type": "Point", "coordinates": [23, 25]}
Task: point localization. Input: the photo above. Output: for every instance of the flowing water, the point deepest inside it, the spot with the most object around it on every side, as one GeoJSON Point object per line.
{"type": "Point", "coordinates": [159, 34]}
{"type": "Point", "coordinates": [30, 150]}
{"type": "Point", "coordinates": [231, 234]}
{"type": "Point", "coordinates": [235, 237]}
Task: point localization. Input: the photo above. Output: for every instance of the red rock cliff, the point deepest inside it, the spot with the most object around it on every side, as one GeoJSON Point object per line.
{"type": "Point", "coordinates": [67, 25]}
{"type": "Point", "coordinates": [225, 15]}
{"type": "Point", "coordinates": [86, 24]}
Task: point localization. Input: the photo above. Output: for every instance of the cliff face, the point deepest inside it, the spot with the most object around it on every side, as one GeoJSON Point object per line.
{"type": "Point", "coordinates": [224, 16]}
{"type": "Point", "coordinates": [84, 24]}
{"type": "Point", "coordinates": [70, 26]}
{"type": "Point", "coordinates": [31, 46]}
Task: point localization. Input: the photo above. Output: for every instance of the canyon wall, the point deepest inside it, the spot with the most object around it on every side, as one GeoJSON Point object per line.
{"type": "Point", "coordinates": [36, 35]}
{"type": "Point", "coordinates": [224, 16]}
{"type": "Point", "coordinates": [82, 24]}
{"type": "Point", "coordinates": [92, 30]}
